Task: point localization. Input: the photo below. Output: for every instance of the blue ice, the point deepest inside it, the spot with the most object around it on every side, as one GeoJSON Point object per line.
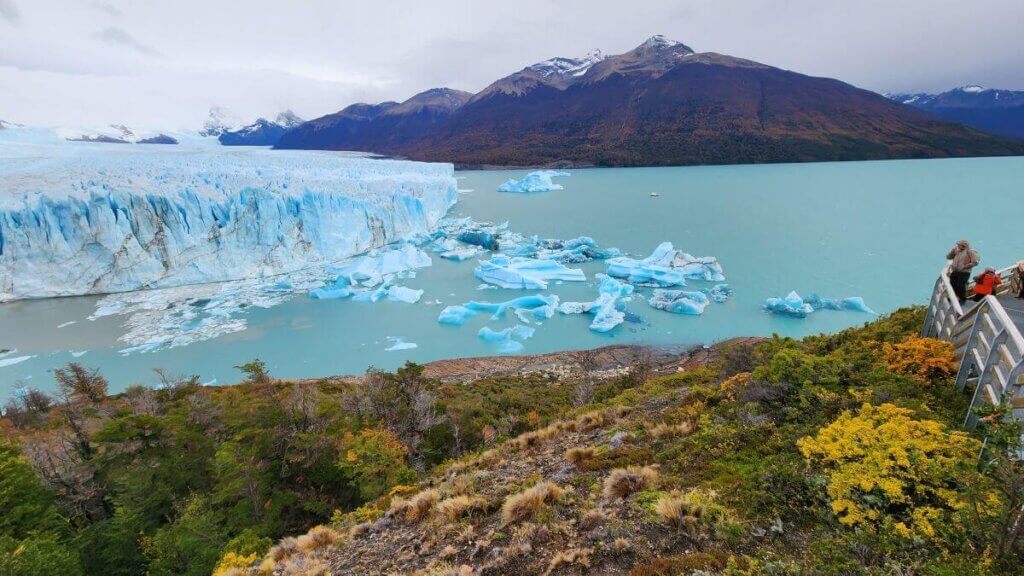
{"type": "Point", "coordinates": [539, 181]}
{"type": "Point", "coordinates": [542, 306]}
{"type": "Point", "coordinates": [506, 340]}
{"type": "Point", "coordinates": [525, 273]}
{"type": "Point", "coordinates": [665, 267]}
{"type": "Point", "coordinates": [607, 309]}
{"type": "Point", "coordinates": [797, 307]}
{"type": "Point", "coordinates": [679, 301]}
{"type": "Point", "coordinates": [399, 344]}
{"type": "Point", "coordinates": [455, 315]}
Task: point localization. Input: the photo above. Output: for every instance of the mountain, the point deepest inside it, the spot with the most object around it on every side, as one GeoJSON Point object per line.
{"type": "Point", "coordinates": [996, 111]}
{"type": "Point", "coordinates": [118, 134]}
{"type": "Point", "coordinates": [262, 132]}
{"type": "Point", "coordinates": [4, 125]}
{"type": "Point", "coordinates": [219, 121]}
{"type": "Point", "coordinates": [661, 103]}
{"type": "Point", "coordinates": [385, 127]}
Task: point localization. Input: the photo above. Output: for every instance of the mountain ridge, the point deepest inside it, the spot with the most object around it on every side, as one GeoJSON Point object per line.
{"type": "Point", "coordinates": [658, 104]}
{"type": "Point", "coordinates": [992, 110]}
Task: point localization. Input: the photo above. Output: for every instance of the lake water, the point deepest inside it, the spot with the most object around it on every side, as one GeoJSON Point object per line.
{"type": "Point", "coordinates": [874, 229]}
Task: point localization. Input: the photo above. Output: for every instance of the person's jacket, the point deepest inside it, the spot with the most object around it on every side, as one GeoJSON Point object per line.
{"type": "Point", "coordinates": [986, 283]}
{"type": "Point", "coordinates": [963, 259]}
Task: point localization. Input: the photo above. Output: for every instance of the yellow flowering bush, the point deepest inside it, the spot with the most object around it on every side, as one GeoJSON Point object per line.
{"type": "Point", "coordinates": [884, 466]}
{"type": "Point", "coordinates": [233, 560]}
{"type": "Point", "coordinates": [924, 358]}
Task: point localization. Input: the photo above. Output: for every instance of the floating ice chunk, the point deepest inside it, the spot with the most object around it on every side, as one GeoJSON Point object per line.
{"type": "Point", "coordinates": [856, 303]}
{"type": "Point", "coordinates": [679, 301]}
{"type": "Point", "coordinates": [460, 254]}
{"type": "Point", "coordinates": [506, 339]}
{"type": "Point", "coordinates": [11, 361]}
{"type": "Point", "coordinates": [607, 309]}
{"type": "Point", "coordinates": [539, 181]}
{"type": "Point", "coordinates": [66, 324]}
{"type": "Point", "coordinates": [665, 267]}
{"type": "Point", "coordinates": [525, 273]}
{"type": "Point", "coordinates": [792, 305]}
{"type": "Point", "coordinates": [483, 239]}
{"type": "Point", "coordinates": [374, 269]}
{"type": "Point", "coordinates": [342, 288]}
{"type": "Point", "coordinates": [541, 306]}
{"type": "Point", "coordinates": [455, 315]}
{"type": "Point", "coordinates": [720, 292]}
{"type": "Point", "coordinates": [78, 353]}
{"type": "Point", "coordinates": [403, 294]}
{"type": "Point", "coordinates": [797, 307]}
{"type": "Point", "coordinates": [399, 344]}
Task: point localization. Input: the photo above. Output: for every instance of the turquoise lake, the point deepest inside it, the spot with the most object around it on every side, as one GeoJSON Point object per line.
{"type": "Point", "coordinates": [879, 230]}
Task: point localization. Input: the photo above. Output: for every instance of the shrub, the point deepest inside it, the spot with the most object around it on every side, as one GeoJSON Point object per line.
{"type": "Point", "coordinates": [625, 481]}
{"type": "Point", "coordinates": [524, 505]}
{"type": "Point", "coordinates": [317, 538]}
{"type": "Point", "coordinates": [927, 359]}
{"type": "Point", "coordinates": [374, 461]}
{"type": "Point", "coordinates": [882, 466]}
{"type": "Point", "coordinates": [691, 511]}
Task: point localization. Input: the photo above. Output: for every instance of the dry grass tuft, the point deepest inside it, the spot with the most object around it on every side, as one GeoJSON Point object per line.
{"type": "Point", "coordinates": [625, 481]}
{"type": "Point", "coordinates": [691, 511]}
{"type": "Point", "coordinates": [621, 545]}
{"type": "Point", "coordinates": [317, 538]}
{"type": "Point", "coordinates": [456, 507]}
{"type": "Point", "coordinates": [525, 504]}
{"type": "Point", "coordinates": [359, 530]}
{"type": "Point", "coordinates": [580, 556]}
{"type": "Point", "coordinates": [591, 420]}
{"type": "Point", "coordinates": [284, 550]}
{"type": "Point", "coordinates": [416, 508]}
{"type": "Point", "coordinates": [593, 518]}
{"type": "Point", "coordinates": [668, 430]}
{"type": "Point", "coordinates": [577, 456]}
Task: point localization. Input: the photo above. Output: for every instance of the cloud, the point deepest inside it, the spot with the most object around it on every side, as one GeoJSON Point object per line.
{"type": "Point", "coordinates": [106, 8]}
{"type": "Point", "coordinates": [118, 37]}
{"type": "Point", "coordinates": [9, 12]}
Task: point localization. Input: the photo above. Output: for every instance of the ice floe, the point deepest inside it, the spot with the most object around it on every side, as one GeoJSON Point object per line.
{"type": "Point", "coordinates": [399, 344]}
{"type": "Point", "coordinates": [66, 324]}
{"type": "Point", "coordinates": [455, 315]}
{"type": "Point", "coordinates": [607, 308]}
{"type": "Point", "coordinates": [525, 273]}
{"type": "Point", "coordinates": [539, 181]}
{"type": "Point", "coordinates": [538, 306]}
{"type": "Point", "coordinates": [795, 306]}
{"type": "Point", "coordinates": [679, 301]}
{"type": "Point", "coordinates": [665, 267]}
{"type": "Point", "coordinates": [12, 360]}
{"type": "Point", "coordinates": [507, 340]}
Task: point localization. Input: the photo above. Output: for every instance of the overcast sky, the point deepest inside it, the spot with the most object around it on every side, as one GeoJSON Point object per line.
{"type": "Point", "coordinates": [162, 64]}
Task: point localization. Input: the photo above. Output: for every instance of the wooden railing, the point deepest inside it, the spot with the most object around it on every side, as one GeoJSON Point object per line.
{"type": "Point", "coordinates": [987, 342]}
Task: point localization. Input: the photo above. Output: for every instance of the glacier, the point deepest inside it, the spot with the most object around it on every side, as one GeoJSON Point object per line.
{"type": "Point", "coordinates": [87, 218]}
{"type": "Point", "coordinates": [539, 181]}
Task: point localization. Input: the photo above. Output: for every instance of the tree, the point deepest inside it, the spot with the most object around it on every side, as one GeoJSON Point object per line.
{"type": "Point", "coordinates": [78, 383]}
{"type": "Point", "coordinates": [37, 556]}
{"type": "Point", "coordinates": [26, 506]}
{"type": "Point", "coordinates": [255, 372]}
{"type": "Point", "coordinates": [374, 462]}
{"type": "Point", "coordinates": [190, 546]}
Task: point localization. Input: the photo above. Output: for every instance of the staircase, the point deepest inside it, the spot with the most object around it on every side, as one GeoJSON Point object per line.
{"type": "Point", "coordinates": [988, 343]}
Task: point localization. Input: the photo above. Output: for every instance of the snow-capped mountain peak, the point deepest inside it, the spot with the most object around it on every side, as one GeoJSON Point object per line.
{"type": "Point", "coordinates": [571, 67]}
{"type": "Point", "coordinates": [219, 121]}
{"type": "Point", "coordinates": [288, 119]}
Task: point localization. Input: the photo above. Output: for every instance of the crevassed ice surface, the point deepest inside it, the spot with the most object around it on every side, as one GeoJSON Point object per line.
{"type": "Point", "coordinates": [84, 218]}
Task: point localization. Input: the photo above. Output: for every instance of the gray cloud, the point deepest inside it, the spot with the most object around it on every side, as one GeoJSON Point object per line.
{"type": "Point", "coordinates": [9, 12]}
{"type": "Point", "coordinates": [118, 37]}
{"type": "Point", "coordinates": [317, 56]}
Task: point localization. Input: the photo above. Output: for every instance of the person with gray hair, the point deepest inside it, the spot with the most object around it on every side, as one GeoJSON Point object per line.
{"type": "Point", "coordinates": [963, 260]}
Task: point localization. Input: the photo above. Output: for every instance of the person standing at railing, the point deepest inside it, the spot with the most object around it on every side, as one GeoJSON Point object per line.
{"type": "Point", "coordinates": [964, 259]}
{"type": "Point", "coordinates": [1017, 281]}
{"type": "Point", "coordinates": [985, 284]}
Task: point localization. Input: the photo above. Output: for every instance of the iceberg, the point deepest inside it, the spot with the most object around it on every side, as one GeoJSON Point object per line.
{"type": "Point", "coordinates": [539, 181]}
{"type": "Point", "coordinates": [539, 306]}
{"type": "Point", "coordinates": [455, 315]}
{"type": "Point", "coordinates": [460, 254]}
{"type": "Point", "coordinates": [392, 293]}
{"type": "Point", "coordinates": [607, 309]}
{"type": "Point", "coordinates": [720, 293]}
{"type": "Point", "coordinates": [525, 273]}
{"type": "Point", "coordinates": [374, 269]}
{"type": "Point", "coordinates": [795, 306]}
{"type": "Point", "coordinates": [399, 344]}
{"type": "Point", "coordinates": [14, 360]}
{"type": "Point", "coordinates": [84, 218]}
{"type": "Point", "coordinates": [679, 301]}
{"type": "Point", "coordinates": [506, 340]}
{"type": "Point", "coordinates": [666, 267]}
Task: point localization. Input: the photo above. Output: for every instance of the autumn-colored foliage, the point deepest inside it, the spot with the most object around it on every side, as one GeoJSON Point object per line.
{"type": "Point", "coordinates": [925, 358]}
{"type": "Point", "coordinates": [883, 465]}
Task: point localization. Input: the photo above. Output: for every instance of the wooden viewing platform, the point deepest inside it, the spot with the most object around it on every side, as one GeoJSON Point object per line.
{"type": "Point", "coordinates": [988, 342]}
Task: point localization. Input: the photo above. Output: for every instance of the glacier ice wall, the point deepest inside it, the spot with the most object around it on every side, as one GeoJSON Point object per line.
{"type": "Point", "coordinates": [83, 218]}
